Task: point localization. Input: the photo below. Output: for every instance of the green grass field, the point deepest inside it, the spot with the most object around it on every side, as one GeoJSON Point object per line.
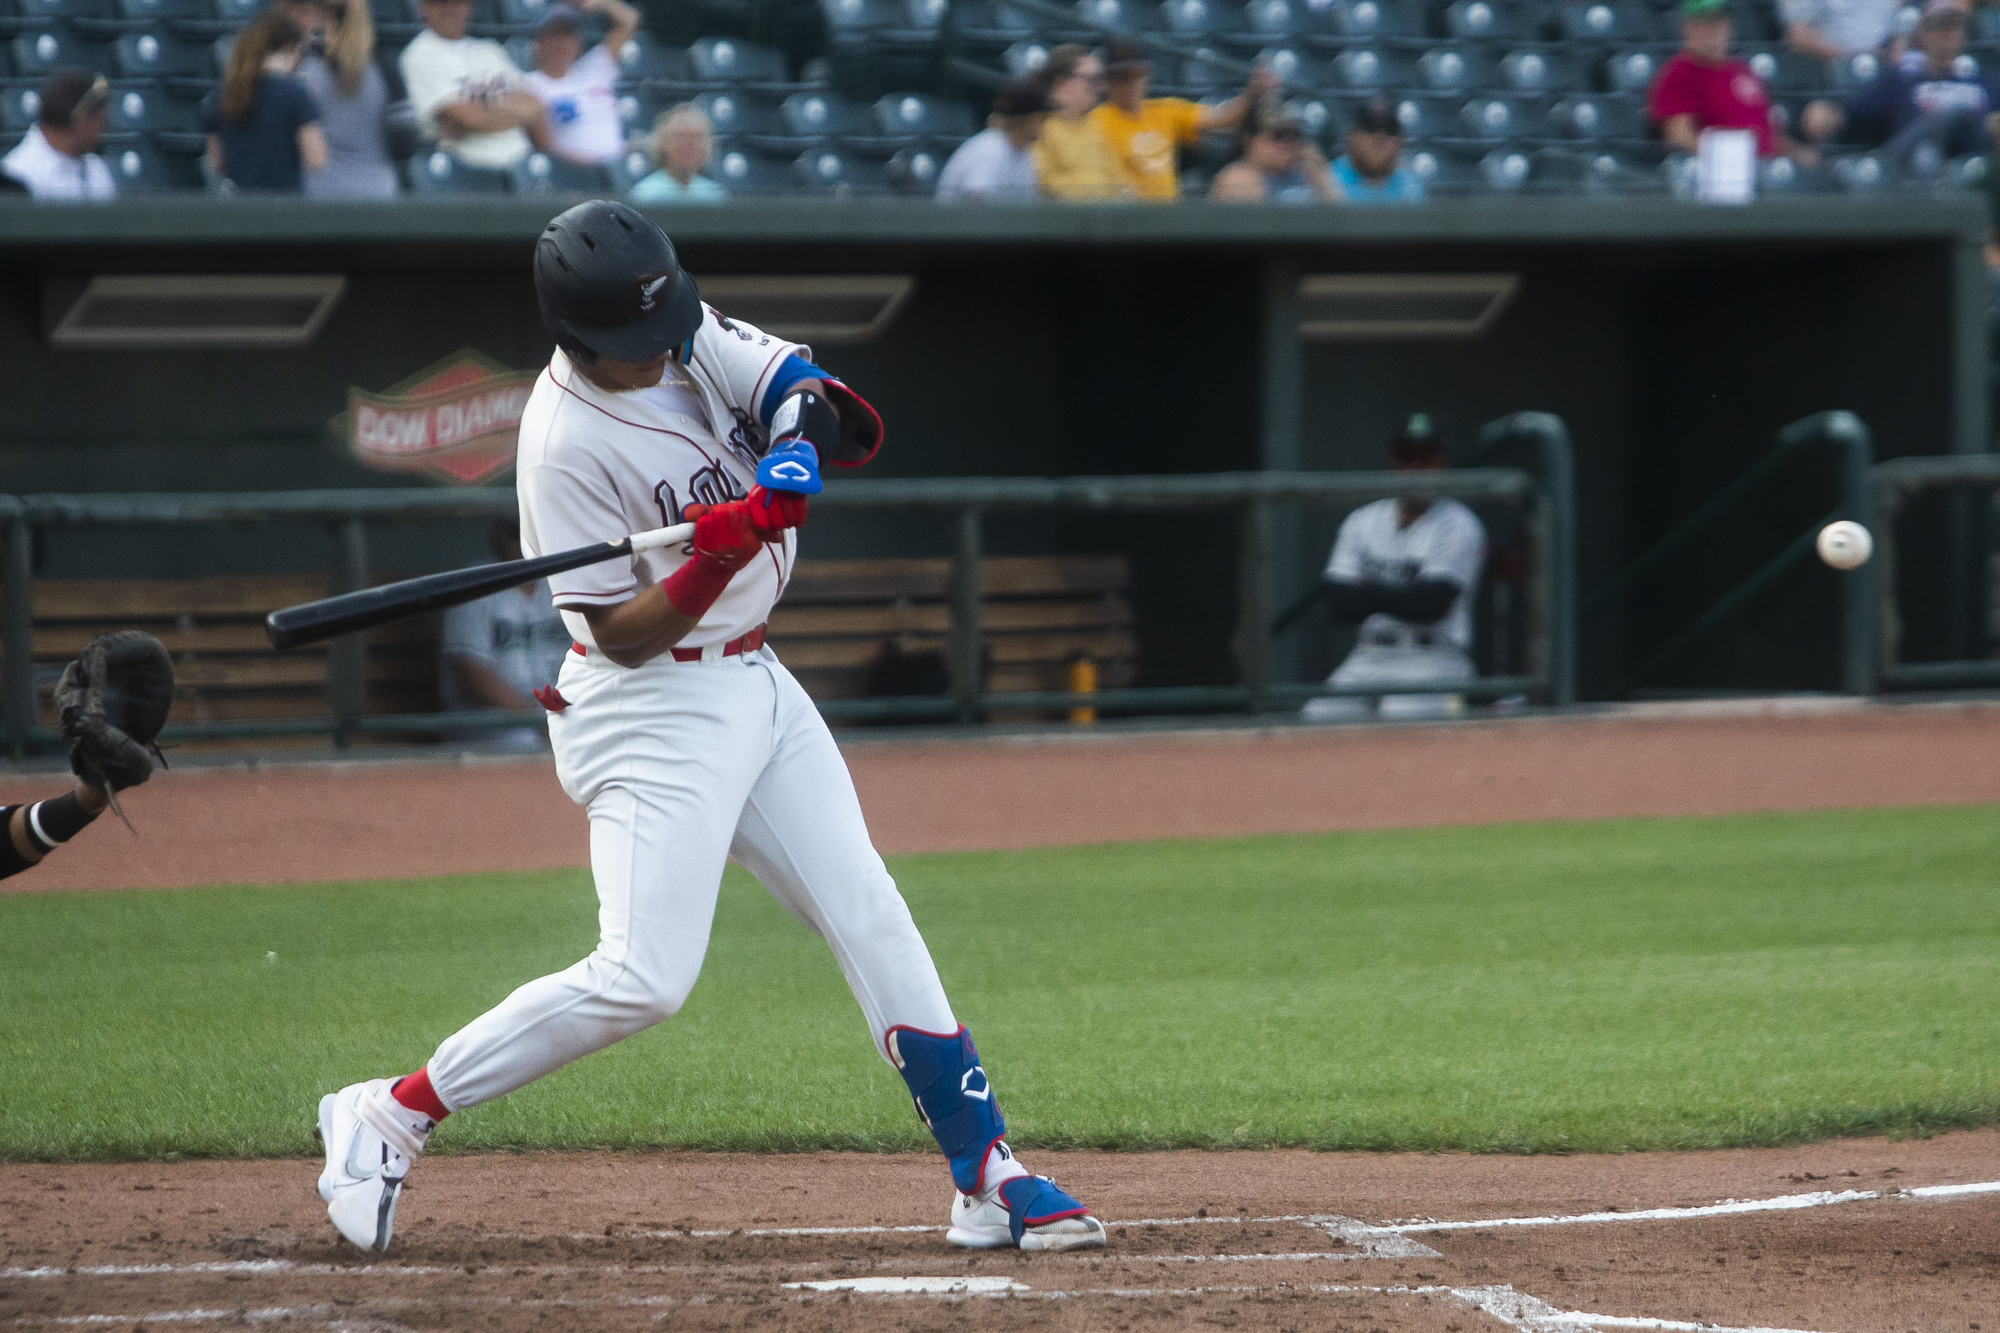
{"type": "Point", "coordinates": [1626, 984]}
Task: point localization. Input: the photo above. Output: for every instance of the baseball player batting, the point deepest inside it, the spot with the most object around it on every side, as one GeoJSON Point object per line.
{"type": "Point", "coordinates": [683, 735]}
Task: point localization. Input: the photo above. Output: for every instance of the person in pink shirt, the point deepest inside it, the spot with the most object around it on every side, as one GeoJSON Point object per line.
{"type": "Point", "coordinates": [1702, 87]}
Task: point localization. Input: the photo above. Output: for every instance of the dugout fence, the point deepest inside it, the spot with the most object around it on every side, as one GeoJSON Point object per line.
{"type": "Point", "coordinates": [1250, 505]}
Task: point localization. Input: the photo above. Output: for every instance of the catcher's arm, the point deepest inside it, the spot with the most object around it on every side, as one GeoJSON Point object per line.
{"type": "Point", "coordinates": [33, 831]}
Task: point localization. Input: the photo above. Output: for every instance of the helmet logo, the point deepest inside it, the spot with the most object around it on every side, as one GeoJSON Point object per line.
{"type": "Point", "coordinates": [649, 289]}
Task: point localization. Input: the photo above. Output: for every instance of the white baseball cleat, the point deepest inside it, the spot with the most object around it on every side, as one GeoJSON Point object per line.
{"type": "Point", "coordinates": [370, 1145]}
{"type": "Point", "coordinates": [1025, 1212]}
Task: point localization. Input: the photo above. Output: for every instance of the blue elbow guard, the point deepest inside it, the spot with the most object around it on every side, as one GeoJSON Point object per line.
{"type": "Point", "coordinates": [952, 1096]}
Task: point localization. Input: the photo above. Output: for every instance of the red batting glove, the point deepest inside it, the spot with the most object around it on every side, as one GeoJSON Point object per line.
{"type": "Point", "coordinates": [725, 540]}
{"type": "Point", "coordinates": [771, 512]}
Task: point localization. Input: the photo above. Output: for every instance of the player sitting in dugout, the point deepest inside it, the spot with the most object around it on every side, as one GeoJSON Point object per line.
{"type": "Point", "coordinates": [1404, 570]}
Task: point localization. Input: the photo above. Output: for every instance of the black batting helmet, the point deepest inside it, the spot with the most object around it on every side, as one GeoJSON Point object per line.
{"type": "Point", "coordinates": [610, 285]}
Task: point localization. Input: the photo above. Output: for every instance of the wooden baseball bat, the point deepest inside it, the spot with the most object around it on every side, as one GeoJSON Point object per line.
{"type": "Point", "coordinates": [311, 622]}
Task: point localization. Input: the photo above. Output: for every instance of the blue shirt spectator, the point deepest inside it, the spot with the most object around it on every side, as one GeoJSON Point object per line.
{"type": "Point", "coordinates": [683, 141]}
{"type": "Point", "coordinates": [1935, 96]}
{"type": "Point", "coordinates": [1372, 170]}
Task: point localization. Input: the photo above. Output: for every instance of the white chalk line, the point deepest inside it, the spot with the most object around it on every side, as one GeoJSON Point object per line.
{"type": "Point", "coordinates": [1522, 1312]}
{"type": "Point", "coordinates": [1728, 1207]}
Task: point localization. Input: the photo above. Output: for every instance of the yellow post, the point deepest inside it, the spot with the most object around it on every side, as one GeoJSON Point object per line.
{"type": "Point", "coordinates": [1083, 680]}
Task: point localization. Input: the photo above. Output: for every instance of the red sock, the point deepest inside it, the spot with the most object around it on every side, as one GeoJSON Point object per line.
{"type": "Point", "coordinates": [415, 1092]}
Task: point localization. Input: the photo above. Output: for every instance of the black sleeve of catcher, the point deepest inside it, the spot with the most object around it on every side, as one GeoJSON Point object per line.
{"type": "Point", "coordinates": [11, 860]}
{"type": "Point", "coordinates": [1421, 603]}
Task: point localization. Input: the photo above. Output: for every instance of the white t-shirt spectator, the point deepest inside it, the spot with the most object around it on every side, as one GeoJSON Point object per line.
{"type": "Point", "coordinates": [1851, 25]}
{"type": "Point", "coordinates": [520, 636]}
{"type": "Point", "coordinates": [1446, 542]}
{"type": "Point", "coordinates": [583, 107]}
{"type": "Point", "coordinates": [440, 72]}
{"type": "Point", "coordinates": [987, 166]}
{"type": "Point", "coordinates": [50, 173]}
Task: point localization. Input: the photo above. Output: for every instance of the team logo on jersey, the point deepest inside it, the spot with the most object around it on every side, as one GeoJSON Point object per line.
{"type": "Point", "coordinates": [670, 505]}
{"type": "Point", "coordinates": [458, 420]}
{"type": "Point", "coordinates": [713, 486]}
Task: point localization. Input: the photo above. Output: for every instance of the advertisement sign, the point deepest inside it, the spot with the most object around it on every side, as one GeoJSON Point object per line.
{"type": "Point", "coordinates": [456, 420]}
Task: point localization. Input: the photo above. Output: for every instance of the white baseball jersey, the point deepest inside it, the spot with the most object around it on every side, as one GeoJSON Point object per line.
{"type": "Point", "coordinates": [1446, 542]}
{"type": "Point", "coordinates": [593, 466]}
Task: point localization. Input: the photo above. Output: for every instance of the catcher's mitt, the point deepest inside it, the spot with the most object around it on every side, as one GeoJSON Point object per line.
{"type": "Point", "coordinates": [111, 703]}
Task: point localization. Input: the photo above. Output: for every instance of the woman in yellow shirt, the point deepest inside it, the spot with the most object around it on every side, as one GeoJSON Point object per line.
{"type": "Point", "coordinates": [1072, 156]}
{"type": "Point", "coordinates": [1146, 133]}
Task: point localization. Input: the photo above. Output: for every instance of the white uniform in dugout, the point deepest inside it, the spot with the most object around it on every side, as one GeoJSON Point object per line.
{"type": "Point", "coordinates": [1446, 542]}
{"type": "Point", "coordinates": [704, 751]}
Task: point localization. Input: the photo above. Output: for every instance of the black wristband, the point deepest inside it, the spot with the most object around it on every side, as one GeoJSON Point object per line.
{"type": "Point", "coordinates": [53, 823]}
{"type": "Point", "coordinates": [11, 860]}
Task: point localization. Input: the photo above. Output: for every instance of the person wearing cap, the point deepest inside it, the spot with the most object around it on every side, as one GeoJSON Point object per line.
{"type": "Point", "coordinates": [1146, 134]}
{"type": "Point", "coordinates": [468, 95]}
{"type": "Point", "coordinates": [1072, 157]}
{"type": "Point", "coordinates": [1404, 570]}
{"type": "Point", "coordinates": [578, 87]}
{"type": "Point", "coordinates": [1279, 165]}
{"type": "Point", "coordinates": [998, 163]}
{"type": "Point", "coordinates": [1923, 99]}
{"type": "Point", "coordinates": [1371, 171]}
{"type": "Point", "coordinates": [1702, 87]}
{"type": "Point", "coordinates": [54, 160]}
{"type": "Point", "coordinates": [1830, 29]}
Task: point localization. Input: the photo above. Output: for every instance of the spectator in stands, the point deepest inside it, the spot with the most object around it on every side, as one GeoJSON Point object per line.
{"type": "Point", "coordinates": [262, 125]}
{"type": "Point", "coordinates": [997, 163]}
{"type": "Point", "coordinates": [1829, 29]}
{"type": "Point", "coordinates": [1404, 570]}
{"type": "Point", "coordinates": [1146, 133]}
{"type": "Point", "coordinates": [54, 160]}
{"type": "Point", "coordinates": [499, 650]}
{"type": "Point", "coordinates": [1923, 99]}
{"type": "Point", "coordinates": [1702, 87]}
{"type": "Point", "coordinates": [467, 93]}
{"type": "Point", "coordinates": [1279, 165]}
{"type": "Point", "coordinates": [1072, 158]}
{"type": "Point", "coordinates": [577, 87]}
{"type": "Point", "coordinates": [683, 140]}
{"type": "Point", "coordinates": [364, 109]}
{"type": "Point", "coordinates": [1371, 171]}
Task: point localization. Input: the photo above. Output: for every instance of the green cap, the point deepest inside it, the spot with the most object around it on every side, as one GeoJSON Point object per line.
{"type": "Point", "coordinates": [1704, 9]}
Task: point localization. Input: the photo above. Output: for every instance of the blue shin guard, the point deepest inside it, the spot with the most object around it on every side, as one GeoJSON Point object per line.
{"type": "Point", "coordinates": [952, 1096]}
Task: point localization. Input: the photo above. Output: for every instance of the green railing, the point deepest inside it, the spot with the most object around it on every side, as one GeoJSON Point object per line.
{"type": "Point", "coordinates": [1854, 453]}
{"type": "Point", "coordinates": [1248, 500]}
{"type": "Point", "coordinates": [1896, 482]}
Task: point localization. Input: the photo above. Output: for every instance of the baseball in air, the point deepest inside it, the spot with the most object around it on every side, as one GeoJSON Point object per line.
{"type": "Point", "coordinates": [1845, 545]}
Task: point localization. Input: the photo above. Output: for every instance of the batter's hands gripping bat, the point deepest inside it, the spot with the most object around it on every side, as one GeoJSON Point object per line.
{"type": "Point", "coordinates": [795, 468]}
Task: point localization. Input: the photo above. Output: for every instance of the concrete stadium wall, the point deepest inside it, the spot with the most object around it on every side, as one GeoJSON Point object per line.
{"type": "Point", "coordinates": [1674, 339]}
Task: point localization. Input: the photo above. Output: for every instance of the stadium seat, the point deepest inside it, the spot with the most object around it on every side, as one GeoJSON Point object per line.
{"type": "Point", "coordinates": [1280, 22]}
{"type": "Point", "coordinates": [393, 18]}
{"type": "Point", "coordinates": [20, 106]}
{"type": "Point", "coordinates": [991, 26]}
{"type": "Point", "coordinates": [1428, 115]}
{"type": "Point", "coordinates": [663, 69]}
{"type": "Point", "coordinates": [632, 166]}
{"type": "Point", "coordinates": [1604, 21]}
{"type": "Point", "coordinates": [1594, 117]}
{"type": "Point", "coordinates": [1784, 70]}
{"type": "Point", "coordinates": [1853, 70]}
{"type": "Point", "coordinates": [638, 111]}
{"type": "Point", "coordinates": [1863, 173]}
{"type": "Point", "coordinates": [1360, 69]}
{"type": "Point", "coordinates": [522, 15]}
{"type": "Point", "coordinates": [1451, 69]}
{"type": "Point", "coordinates": [1504, 171]}
{"type": "Point", "coordinates": [214, 18]}
{"type": "Point", "coordinates": [884, 25]}
{"type": "Point", "coordinates": [819, 171]}
{"type": "Point", "coordinates": [741, 171]}
{"type": "Point", "coordinates": [1024, 58]}
{"type": "Point", "coordinates": [812, 119]}
{"type": "Point", "coordinates": [148, 111]}
{"type": "Point", "coordinates": [913, 171]}
{"type": "Point", "coordinates": [1631, 71]}
{"type": "Point", "coordinates": [106, 19]}
{"type": "Point", "coordinates": [34, 15]}
{"type": "Point", "coordinates": [1488, 118]}
{"type": "Point", "coordinates": [540, 173]}
{"type": "Point", "coordinates": [944, 125]}
{"type": "Point", "coordinates": [1301, 72]}
{"type": "Point", "coordinates": [1486, 21]}
{"type": "Point", "coordinates": [146, 55]}
{"type": "Point", "coordinates": [142, 169]}
{"type": "Point", "coordinates": [755, 69]}
{"type": "Point", "coordinates": [1200, 20]}
{"type": "Point", "coordinates": [1538, 71]}
{"type": "Point", "coordinates": [1442, 171]}
{"type": "Point", "coordinates": [438, 172]}
{"type": "Point", "coordinates": [37, 53]}
{"type": "Point", "coordinates": [1095, 19]}
{"type": "Point", "coordinates": [1366, 20]}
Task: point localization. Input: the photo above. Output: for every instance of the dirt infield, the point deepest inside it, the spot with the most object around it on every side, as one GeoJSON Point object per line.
{"type": "Point", "coordinates": [1277, 1240]}
{"type": "Point", "coordinates": [288, 824]}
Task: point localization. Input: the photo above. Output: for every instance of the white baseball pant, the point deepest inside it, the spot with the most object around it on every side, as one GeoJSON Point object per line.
{"type": "Point", "coordinates": [681, 765]}
{"type": "Point", "coordinates": [1393, 664]}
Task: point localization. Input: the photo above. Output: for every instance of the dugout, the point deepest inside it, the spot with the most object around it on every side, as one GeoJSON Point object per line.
{"type": "Point", "coordinates": [1674, 339]}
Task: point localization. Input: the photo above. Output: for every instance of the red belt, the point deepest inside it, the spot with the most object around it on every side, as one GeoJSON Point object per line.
{"type": "Point", "coordinates": [749, 643]}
